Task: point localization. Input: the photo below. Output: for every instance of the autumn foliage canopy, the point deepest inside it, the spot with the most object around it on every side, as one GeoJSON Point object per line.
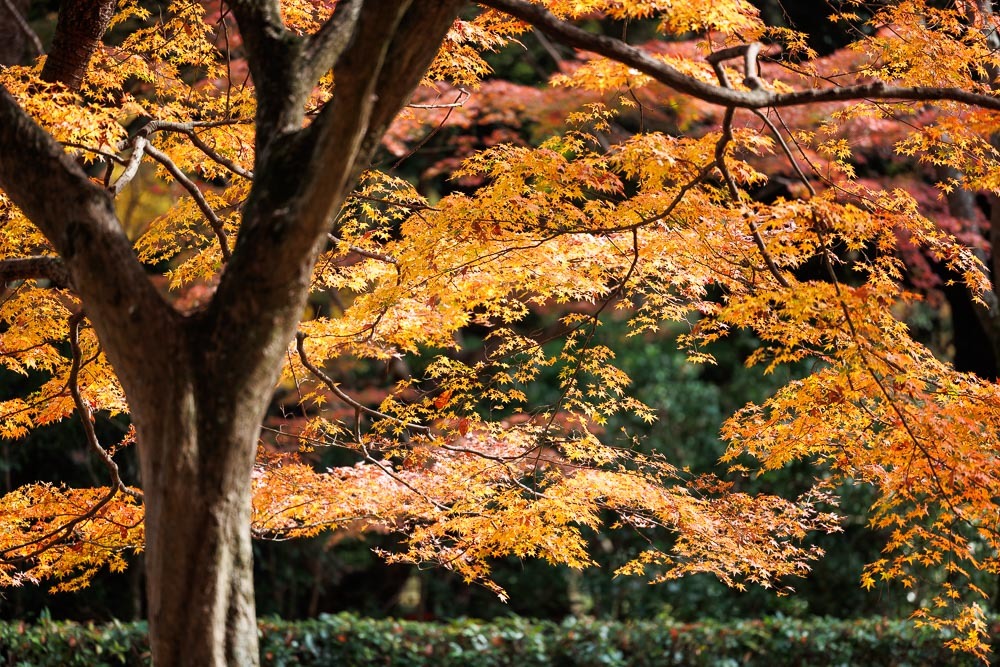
{"type": "Point", "coordinates": [655, 228]}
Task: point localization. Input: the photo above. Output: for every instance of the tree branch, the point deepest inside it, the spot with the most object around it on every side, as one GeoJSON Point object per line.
{"type": "Point", "coordinates": [33, 268]}
{"type": "Point", "coordinates": [275, 57]}
{"type": "Point", "coordinates": [302, 180]}
{"type": "Point", "coordinates": [749, 52]}
{"type": "Point", "coordinates": [463, 97]}
{"type": "Point", "coordinates": [188, 130]}
{"type": "Point", "coordinates": [751, 76]}
{"type": "Point", "coordinates": [139, 145]}
{"type": "Point", "coordinates": [217, 157]}
{"type": "Point", "coordinates": [86, 417]}
{"type": "Point", "coordinates": [379, 257]}
{"type": "Point", "coordinates": [615, 49]}
{"type": "Point", "coordinates": [196, 194]}
{"type": "Point", "coordinates": [339, 393]}
{"type": "Point", "coordinates": [79, 29]}
{"type": "Point", "coordinates": [324, 48]}
{"type": "Point", "coordinates": [734, 193]}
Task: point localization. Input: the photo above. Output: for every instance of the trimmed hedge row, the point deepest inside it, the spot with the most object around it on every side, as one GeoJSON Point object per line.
{"type": "Point", "coordinates": [345, 639]}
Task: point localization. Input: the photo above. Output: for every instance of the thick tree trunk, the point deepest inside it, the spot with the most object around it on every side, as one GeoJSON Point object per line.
{"type": "Point", "coordinates": [197, 415]}
{"type": "Point", "coordinates": [196, 457]}
{"type": "Point", "coordinates": [198, 385]}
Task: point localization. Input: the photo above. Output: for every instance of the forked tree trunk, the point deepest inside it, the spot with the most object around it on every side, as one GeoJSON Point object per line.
{"type": "Point", "coordinates": [198, 385]}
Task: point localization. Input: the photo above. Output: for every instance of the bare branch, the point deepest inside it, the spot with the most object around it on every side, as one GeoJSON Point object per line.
{"type": "Point", "coordinates": [734, 192]}
{"type": "Point", "coordinates": [615, 49]}
{"type": "Point", "coordinates": [33, 268]}
{"type": "Point", "coordinates": [259, 18]}
{"type": "Point", "coordinates": [199, 198]}
{"type": "Point", "coordinates": [385, 259]}
{"type": "Point", "coordinates": [463, 97]}
{"type": "Point", "coordinates": [188, 130]}
{"type": "Point", "coordinates": [139, 145]}
{"type": "Point", "coordinates": [86, 416]}
{"type": "Point", "coordinates": [221, 159]}
{"type": "Point", "coordinates": [787, 151]}
{"type": "Point", "coordinates": [751, 70]}
{"type": "Point", "coordinates": [157, 125]}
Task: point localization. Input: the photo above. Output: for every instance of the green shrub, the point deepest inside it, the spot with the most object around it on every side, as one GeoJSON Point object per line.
{"type": "Point", "coordinates": [345, 639]}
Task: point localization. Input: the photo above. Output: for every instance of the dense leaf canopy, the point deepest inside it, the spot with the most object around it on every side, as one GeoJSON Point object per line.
{"type": "Point", "coordinates": [591, 222]}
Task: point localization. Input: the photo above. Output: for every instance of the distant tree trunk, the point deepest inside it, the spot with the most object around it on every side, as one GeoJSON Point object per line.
{"type": "Point", "coordinates": [15, 44]}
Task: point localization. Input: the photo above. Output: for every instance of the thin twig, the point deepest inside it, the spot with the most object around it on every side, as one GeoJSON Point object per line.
{"type": "Point", "coordinates": [399, 480]}
{"type": "Point", "coordinates": [332, 386]}
{"type": "Point", "coordinates": [97, 151]}
{"type": "Point", "coordinates": [379, 257]}
{"type": "Point", "coordinates": [390, 202]}
{"type": "Point", "coordinates": [218, 157]}
{"type": "Point", "coordinates": [787, 151]}
{"type": "Point", "coordinates": [229, 57]}
{"type": "Point", "coordinates": [903, 420]}
{"type": "Point", "coordinates": [662, 216]}
{"type": "Point", "coordinates": [720, 161]}
{"type": "Point", "coordinates": [463, 96]}
{"type": "Point", "coordinates": [199, 198]}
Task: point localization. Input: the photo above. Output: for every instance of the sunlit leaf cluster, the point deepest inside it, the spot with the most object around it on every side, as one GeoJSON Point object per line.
{"type": "Point", "coordinates": [650, 227]}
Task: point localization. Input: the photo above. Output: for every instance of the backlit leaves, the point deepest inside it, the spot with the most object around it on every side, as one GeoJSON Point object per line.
{"type": "Point", "coordinates": [566, 229]}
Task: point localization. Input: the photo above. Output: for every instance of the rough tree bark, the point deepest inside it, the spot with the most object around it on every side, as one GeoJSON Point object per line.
{"type": "Point", "coordinates": [79, 29]}
{"type": "Point", "coordinates": [198, 385]}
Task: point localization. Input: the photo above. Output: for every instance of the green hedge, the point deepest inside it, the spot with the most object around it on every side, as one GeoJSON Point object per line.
{"type": "Point", "coordinates": [349, 640]}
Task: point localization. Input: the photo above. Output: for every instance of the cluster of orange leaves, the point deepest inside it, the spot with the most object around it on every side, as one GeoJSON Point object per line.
{"type": "Point", "coordinates": [456, 460]}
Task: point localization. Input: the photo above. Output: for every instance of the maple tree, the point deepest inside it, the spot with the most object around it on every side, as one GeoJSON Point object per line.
{"type": "Point", "coordinates": [266, 116]}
